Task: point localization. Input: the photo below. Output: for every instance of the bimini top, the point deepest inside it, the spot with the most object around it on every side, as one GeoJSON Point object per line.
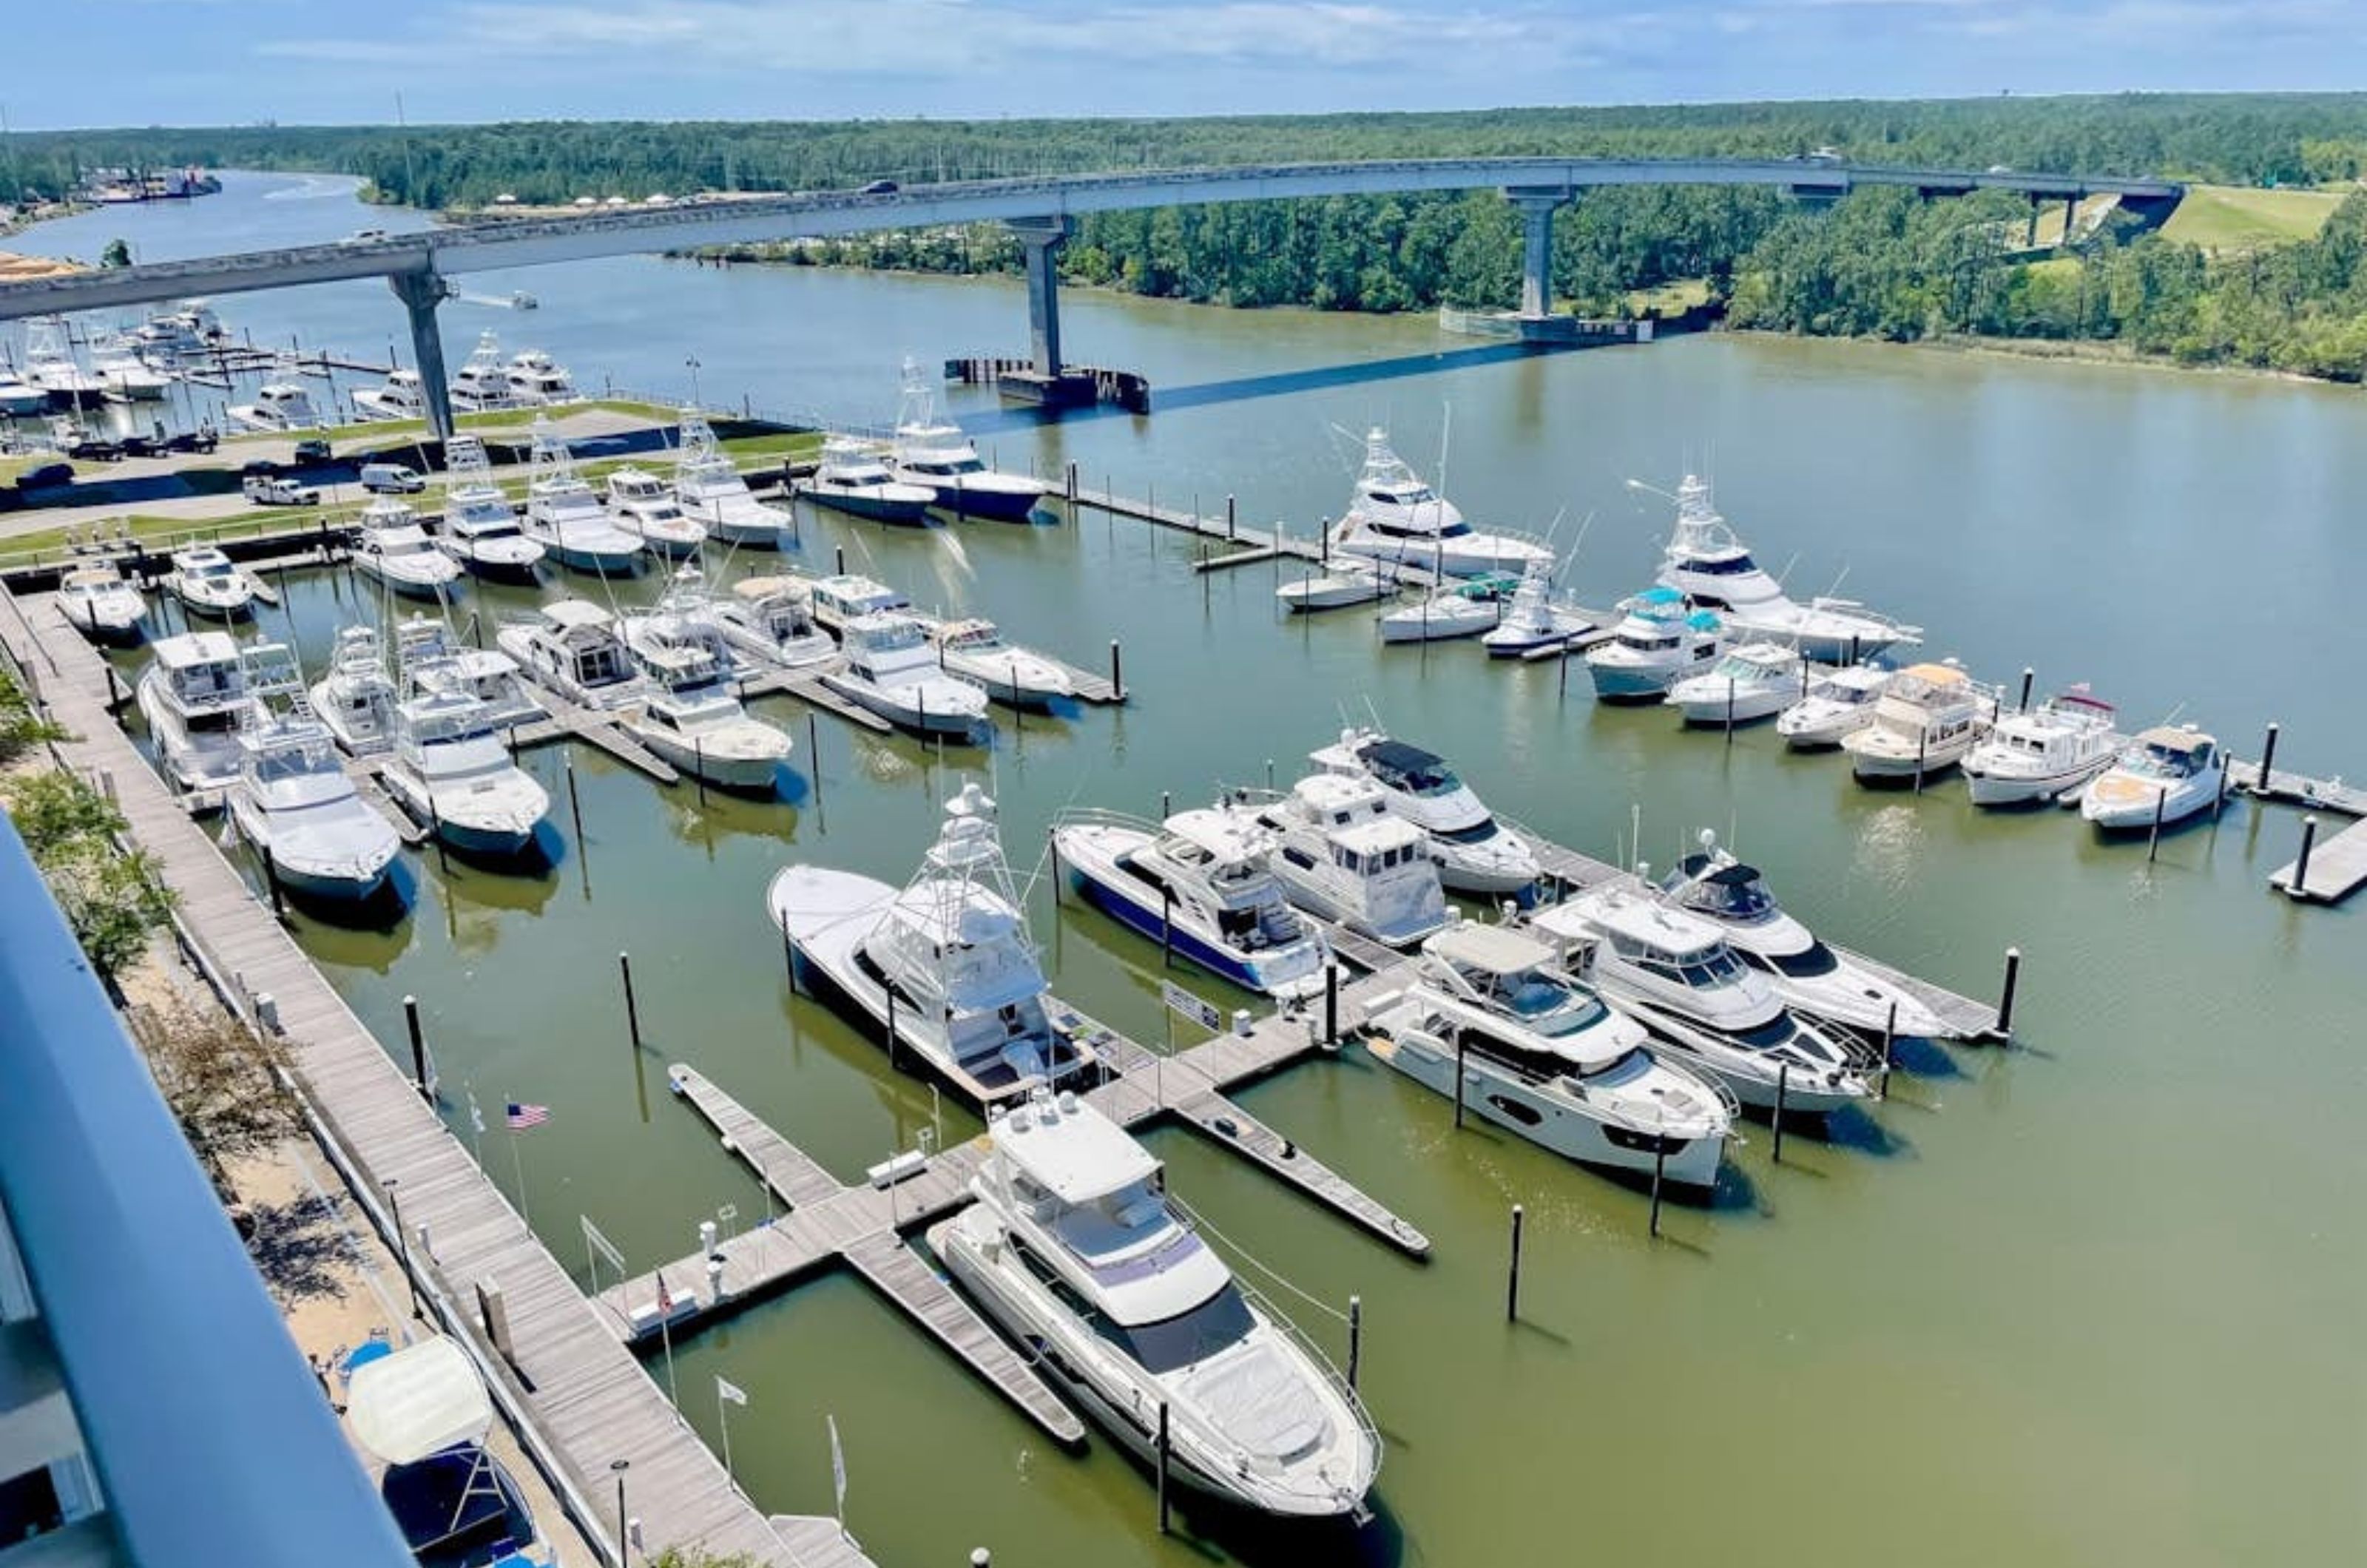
{"type": "Point", "coordinates": [1703, 621]}
{"type": "Point", "coordinates": [1492, 950]}
{"type": "Point", "coordinates": [567, 615]}
{"type": "Point", "coordinates": [1936, 674]}
{"type": "Point", "coordinates": [192, 648]}
{"type": "Point", "coordinates": [1070, 1149]}
{"type": "Point", "coordinates": [419, 1400]}
{"type": "Point", "coordinates": [2184, 742]}
{"type": "Point", "coordinates": [1222, 838]}
{"type": "Point", "coordinates": [1660, 596]}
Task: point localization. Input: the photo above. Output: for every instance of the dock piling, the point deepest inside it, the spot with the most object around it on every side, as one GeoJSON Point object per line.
{"type": "Point", "coordinates": [2299, 886]}
{"type": "Point", "coordinates": [1512, 1278]}
{"type": "Point", "coordinates": [632, 1006]}
{"type": "Point", "coordinates": [2004, 1030]}
{"type": "Point", "coordinates": [1355, 1340]}
{"type": "Point", "coordinates": [2153, 835]}
{"type": "Point", "coordinates": [271, 879]}
{"type": "Point", "coordinates": [1331, 999]}
{"type": "Point", "coordinates": [1166, 926]}
{"type": "Point", "coordinates": [1782, 1093]}
{"type": "Point", "coordinates": [418, 1047]}
{"type": "Point", "coordinates": [1072, 485]}
{"type": "Point", "coordinates": [2268, 760]}
{"type": "Point", "coordinates": [841, 560]}
{"type": "Point", "coordinates": [575, 800]}
{"type": "Point", "coordinates": [813, 758]}
{"type": "Point", "coordinates": [1459, 1049]}
{"type": "Point", "coordinates": [1118, 670]}
{"type": "Point", "coordinates": [1229, 516]}
{"type": "Point", "coordinates": [1166, 805]}
{"type": "Point", "coordinates": [1660, 1173]}
{"type": "Point", "coordinates": [1889, 1047]}
{"type": "Point", "coordinates": [891, 1029]}
{"type": "Point", "coordinates": [1162, 1467]}
{"type": "Point", "coordinates": [2028, 675]}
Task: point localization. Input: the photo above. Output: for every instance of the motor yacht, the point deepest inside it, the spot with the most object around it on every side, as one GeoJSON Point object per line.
{"type": "Point", "coordinates": [948, 959]}
{"type": "Point", "coordinates": [1706, 562]}
{"type": "Point", "coordinates": [356, 699]}
{"type": "Point", "coordinates": [390, 547]}
{"type": "Point", "coordinates": [97, 603]}
{"type": "Point", "coordinates": [481, 529]}
{"type": "Point", "coordinates": [1394, 516]}
{"type": "Point", "coordinates": [891, 669]}
{"type": "Point", "coordinates": [1533, 621]}
{"type": "Point", "coordinates": [840, 598]}
{"type": "Point", "coordinates": [1927, 718]}
{"type": "Point", "coordinates": [293, 802]}
{"type": "Point", "coordinates": [975, 651]}
{"type": "Point", "coordinates": [1752, 681]}
{"type": "Point", "coordinates": [429, 655]}
{"type": "Point", "coordinates": [1839, 703]}
{"type": "Point", "coordinates": [573, 647]}
{"type": "Point", "coordinates": [563, 515]}
{"type": "Point", "coordinates": [51, 365]}
{"type": "Point", "coordinates": [935, 454]}
{"type": "Point", "coordinates": [210, 583]}
{"type": "Point", "coordinates": [1678, 975]}
{"type": "Point", "coordinates": [853, 477]}
{"type": "Point", "coordinates": [1660, 641]}
{"type": "Point", "coordinates": [2044, 753]}
{"type": "Point", "coordinates": [1540, 1055]}
{"type": "Point", "coordinates": [2166, 776]}
{"type": "Point", "coordinates": [399, 396]}
{"type": "Point", "coordinates": [644, 507]}
{"type": "Point", "coordinates": [1342, 585]}
{"type": "Point", "coordinates": [689, 714]}
{"type": "Point", "coordinates": [537, 382]}
{"type": "Point", "coordinates": [708, 486]}
{"type": "Point", "coordinates": [128, 377]}
{"type": "Point", "coordinates": [1342, 855]}
{"type": "Point", "coordinates": [195, 698]}
{"type": "Point", "coordinates": [1811, 977]}
{"type": "Point", "coordinates": [1200, 885]}
{"type": "Point", "coordinates": [1074, 1251]}
{"type": "Point", "coordinates": [483, 382]}
{"type": "Point", "coordinates": [1475, 852]}
{"type": "Point", "coordinates": [1469, 608]}
{"type": "Point", "coordinates": [772, 619]}
{"type": "Point", "coordinates": [449, 770]}
{"type": "Point", "coordinates": [279, 406]}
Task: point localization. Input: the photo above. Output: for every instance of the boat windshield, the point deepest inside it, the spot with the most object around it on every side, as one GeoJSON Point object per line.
{"type": "Point", "coordinates": [1546, 1005]}
{"type": "Point", "coordinates": [1625, 1068]}
{"type": "Point", "coordinates": [1721, 566]}
{"type": "Point", "coordinates": [1454, 530]}
{"type": "Point", "coordinates": [1737, 900]}
{"type": "Point", "coordinates": [1172, 1344]}
{"type": "Point", "coordinates": [1412, 772]}
{"type": "Point", "coordinates": [2161, 762]}
{"type": "Point", "coordinates": [1842, 694]}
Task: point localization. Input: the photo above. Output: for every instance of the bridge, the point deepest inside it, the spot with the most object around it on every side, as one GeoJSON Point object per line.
{"type": "Point", "coordinates": [1041, 211]}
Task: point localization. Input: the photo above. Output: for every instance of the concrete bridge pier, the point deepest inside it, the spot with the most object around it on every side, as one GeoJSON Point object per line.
{"type": "Point", "coordinates": [1536, 249]}
{"type": "Point", "coordinates": [1043, 237]}
{"type": "Point", "coordinates": [421, 292]}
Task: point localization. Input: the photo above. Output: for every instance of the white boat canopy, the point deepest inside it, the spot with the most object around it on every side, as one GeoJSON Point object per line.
{"type": "Point", "coordinates": [418, 1400]}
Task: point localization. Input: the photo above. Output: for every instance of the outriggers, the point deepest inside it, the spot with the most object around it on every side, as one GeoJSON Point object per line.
{"type": "Point", "coordinates": [688, 713]}
{"type": "Point", "coordinates": [708, 485]}
{"type": "Point", "coordinates": [935, 454]}
{"type": "Point", "coordinates": [481, 530]}
{"type": "Point", "coordinates": [946, 967]}
{"type": "Point", "coordinates": [1395, 516]}
{"type": "Point", "coordinates": [566, 518]}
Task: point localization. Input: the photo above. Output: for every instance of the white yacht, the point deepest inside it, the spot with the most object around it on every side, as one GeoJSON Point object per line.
{"type": "Point", "coordinates": [481, 530]}
{"type": "Point", "coordinates": [450, 770]}
{"type": "Point", "coordinates": [128, 377]}
{"type": "Point", "coordinates": [1532, 620]}
{"type": "Point", "coordinates": [1395, 516]}
{"type": "Point", "coordinates": [948, 958]}
{"type": "Point", "coordinates": [19, 399]}
{"type": "Point", "coordinates": [2043, 753]}
{"type": "Point", "coordinates": [2166, 774]}
{"type": "Point", "coordinates": [1476, 854]}
{"type": "Point", "coordinates": [1199, 885]}
{"type": "Point", "coordinates": [279, 406]}
{"type": "Point", "coordinates": [1678, 975]}
{"type": "Point", "coordinates": [485, 381]}
{"type": "Point", "coordinates": [1660, 641]}
{"type": "Point", "coordinates": [1925, 721]}
{"type": "Point", "coordinates": [1073, 1250]}
{"type": "Point", "coordinates": [892, 670]}
{"type": "Point", "coordinates": [975, 651]}
{"type": "Point", "coordinates": [840, 598]}
{"type": "Point", "coordinates": [390, 546]}
{"type": "Point", "coordinates": [935, 454]}
{"type": "Point", "coordinates": [536, 380]}
{"type": "Point", "coordinates": [97, 602]}
{"type": "Point", "coordinates": [772, 619]}
{"type": "Point", "coordinates": [428, 654]}
{"type": "Point", "coordinates": [1752, 683]}
{"type": "Point", "coordinates": [195, 698]}
{"type": "Point", "coordinates": [356, 699]}
{"type": "Point", "coordinates": [708, 486]}
{"type": "Point", "coordinates": [1340, 586]}
{"type": "Point", "coordinates": [51, 365]}
{"type": "Point", "coordinates": [689, 714]}
{"type": "Point", "coordinates": [1713, 885]}
{"type": "Point", "coordinates": [853, 477]}
{"type": "Point", "coordinates": [1543, 1057]}
{"type": "Point", "coordinates": [293, 802]}
{"type": "Point", "coordinates": [1469, 608]}
{"type": "Point", "coordinates": [1342, 855]}
{"type": "Point", "coordinates": [563, 515]}
{"type": "Point", "coordinates": [573, 647]}
{"type": "Point", "coordinates": [643, 505]}
{"type": "Point", "coordinates": [398, 397]}
{"type": "Point", "coordinates": [208, 582]}
{"type": "Point", "coordinates": [1706, 562]}
{"type": "Point", "coordinates": [1839, 703]}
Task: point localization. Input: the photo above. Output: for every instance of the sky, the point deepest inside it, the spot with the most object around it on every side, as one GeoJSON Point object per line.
{"type": "Point", "coordinates": [310, 62]}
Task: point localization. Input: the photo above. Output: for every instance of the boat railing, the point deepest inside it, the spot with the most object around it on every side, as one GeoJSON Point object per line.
{"type": "Point", "coordinates": [1106, 817]}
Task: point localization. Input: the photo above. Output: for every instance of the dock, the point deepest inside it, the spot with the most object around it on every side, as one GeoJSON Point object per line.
{"type": "Point", "coordinates": [2324, 870]}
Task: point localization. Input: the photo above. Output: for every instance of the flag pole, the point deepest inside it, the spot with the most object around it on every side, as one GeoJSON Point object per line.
{"type": "Point", "coordinates": [723, 1421]}
{"type": "Point", "coordinates": [517, 1165]}
{"type": "Point", "coordinates": [665, 1335]}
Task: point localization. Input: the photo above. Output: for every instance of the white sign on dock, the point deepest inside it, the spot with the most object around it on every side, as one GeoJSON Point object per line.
{"type": "Point", "coordinates": [1180, 1000]}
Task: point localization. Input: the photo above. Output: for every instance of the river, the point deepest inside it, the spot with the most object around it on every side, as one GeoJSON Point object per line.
{"type": "Point", "coordinates": [2094, 1299]}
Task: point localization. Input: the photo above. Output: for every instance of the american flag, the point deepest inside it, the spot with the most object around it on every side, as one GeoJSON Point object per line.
{"type": "Point", "coordinates": [521, 1117]}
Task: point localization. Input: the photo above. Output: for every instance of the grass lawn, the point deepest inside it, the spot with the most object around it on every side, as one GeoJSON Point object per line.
{"type": "Point", "coordinates": [1671, 298]}
{"type": "Point", "coordinates": [2239, 218]}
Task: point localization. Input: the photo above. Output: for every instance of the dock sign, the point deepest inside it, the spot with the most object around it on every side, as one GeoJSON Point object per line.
{"type": "Point", "coordinates": [1180, 1000]}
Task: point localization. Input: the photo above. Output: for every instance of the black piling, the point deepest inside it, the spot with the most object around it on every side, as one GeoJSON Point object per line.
{"type": "Point", "coordinates": [1659, 1174]}
{"type": "Point", "coordinates": [891, 1029]}
{"type": "Point", "coordinates": [2005, 997]}
{"type": "Point", "coordinates": [1459, 1049]}
{"type": "Point", "coordinates": [1782, 1094]}
{"type": "Point", "coordinates": [1889, 1047]}
{"type": "Point", "coordinates": [2268, 760]}
{"type": "Point", "coordinates": [1331, 996]}
{"type": "Point", "coordinates": [1228, 517]}
{"type": "Point", "coordinates": [1166, 926]}
{"type": "Point", "coordinates": [1513, 1276]}
{"type": "Point", "coordinates": [418, 1046]}
{"type": "Point", "coordinates": [271, 879]}
{"type": "Point", "coordinates": [2300, 884]}
{"type": "Point", "coordinates": [841, 560]}
{"type": "Point", "coordinates": [1162, 1467]}
{"type": "Point", "coordinates": [2028, 675]}
{"type": "Point", "coordinates": [1355, 1340]}
{"type": "Point", "coordinates": [813, 758]}
{"type": "Point", "coordinates": [1166, 805]}
{"type": "Point", "coordinates": [1118, 670]}
{"type": "Point", "coordinates": [575, 799]}
{"type": "Point", "coordinates": [632, 1005]}
{"type": "Point", "coordinates": [2153, 835]}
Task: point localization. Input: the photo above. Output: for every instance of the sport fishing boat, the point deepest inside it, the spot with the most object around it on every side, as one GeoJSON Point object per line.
{"type": "Point", "coordinates": [1660, 641]}
{"type": "Point", "coordinates": [847, 597]}
{"type": "Point", "coordinates": [1712, 885]}
{"type": "Point", "coordinates": [1342, 855]}
{"type": "Point", "coordinates": [208, 582]}
{"type": "Point", "coordinates": [2166, 774]}
{"type": "Point", "coordinates": [642, 506]}
{"type": "Point", "coordinates": [947, 961]}
{"type": "Point", "coordinates": [771, 620]}
{"type": "Point", "coordinates": [708, 486]}
{"type": "Point", "coordinates": [932, 453]}
{"type": "Point", "coordinates": [1706, 562]}
{"type": "Point", "coordinates": [449, 770]}
{"type": "Point", "coordinates": [51, 365]}
{"type": "Point", "coordinates": [97, 603]}
{"type": "Point", "coordinates": [1750, 684]}
{"type": "Point", "coordinates": [1342, 585]}
{"type": "Point", "coordinates": [1839, 703]}
{"type": "Point", "coordinates": [390, 546]}
{"type": "Point", "coordinates": [565, 517]}
{"type": "Point", "coordinates": [2043, 753]}
{"type": "Point", "coordinates": [481, 530]}
{"type": "Point", "coordinates": [1678, 973]}
{"type": "Point", "coordinates": [1533, 621]}
{"type": "Point", "coordinates": [1394, 516]}
{"type": "Point", "coordinates": [1456, 610]}
{"type": "Point", "coordinates": [1200, 885]}
{"type": "Point", "coordinates": [427, 654]}
{"type": "Point", "coordinates": [485, 381]}
{"type": "Point", "coordinates": [356, 698]}
{"type": "Point", "coordinates": [293, 802]}
{"type": "Point", "coordinates": [196, 698]}
{"type": "Point", "coordinates": [853, 477]}
{"type": "Point", "coordinates": [1075, 1253]}
{"type": "Point", "coordinates": [536, 381]}
{"type": "Point", "coordinates": [1925, 721]}
{"type": "Point", "coordinates": [573, 648]}
{"type": "Point", "coordinates": [398, 397]}
{"type": "Point", "coordinates": [128, 377]}
{"type": "Point", "coordinates": [689, 714]}
{"type": "Point", "coordinates": [975, 651]}
{"type": "Point", "coordinates": [891, 669]}
{"type": "Point", "coordinates": [1541, 1057]}
{"type": "Point", "coordinates": [279, 406]}
{"type": "Point", "coordinates": [1475, 852]}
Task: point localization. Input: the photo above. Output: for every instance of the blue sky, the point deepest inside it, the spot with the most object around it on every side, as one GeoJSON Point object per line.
{"type": "Point", "coordinates": [214, 62]}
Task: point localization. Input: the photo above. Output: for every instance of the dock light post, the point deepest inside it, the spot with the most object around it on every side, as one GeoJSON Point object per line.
{"type": "Point", "coordinates": [402, 1244]}
{"type": "Point", "coordinates": [616, 1466]}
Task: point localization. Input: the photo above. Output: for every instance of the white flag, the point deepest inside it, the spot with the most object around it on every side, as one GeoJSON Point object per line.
{"type": "Point", "coordinates": [732, 1392]}
{"type": "Point", "coordinates": [837, 1470]}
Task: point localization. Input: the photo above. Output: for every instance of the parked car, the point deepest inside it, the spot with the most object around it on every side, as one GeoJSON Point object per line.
{"type": "Point", "coordinates": [254, 466]}
{"type": "Point", "coordinates": [267, 490]}
{"type": "Point", "coordinates": [391, 478]}
{"type": "Point", "coordinates": [203, 440]}
{"type": "Point", "coordinates": [95, 449]}
{"type": "Point", "coordinates": [141, 446]}
{"type": "Point", "coordinates": [46, 476]}
{"type": "Point", "coordinates": [313, 450]}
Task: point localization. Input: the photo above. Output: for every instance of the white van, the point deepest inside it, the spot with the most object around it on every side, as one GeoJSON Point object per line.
{"type": "Point", "coordinates": [391, 478]}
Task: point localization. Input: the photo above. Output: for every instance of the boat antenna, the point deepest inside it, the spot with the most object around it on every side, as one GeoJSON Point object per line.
{"type": "Point", "coordinates": [1835, 590]}
{"type": "Point", "coordinates": [1784, 576]}
{"type": "Point", "coordinates": [1639, 488]}
{"type": "Point", "coordinates": [1446, 437]}
{"type": "Point", "coordinates": [1636, 831]}
{"type": "Point", "coordinates": [1575, 545]}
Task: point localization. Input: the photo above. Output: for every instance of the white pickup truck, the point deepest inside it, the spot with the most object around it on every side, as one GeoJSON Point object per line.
{"type": "Point", "coordinates": [269, 489]}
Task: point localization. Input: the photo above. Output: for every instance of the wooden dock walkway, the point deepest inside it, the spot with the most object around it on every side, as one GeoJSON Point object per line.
{"type": "Point", "coordinates": [805, 684]}
{"type": "Point", "coordinates": [2336, 869]}
{"type": "Point", "coordinates": [583, 1399]}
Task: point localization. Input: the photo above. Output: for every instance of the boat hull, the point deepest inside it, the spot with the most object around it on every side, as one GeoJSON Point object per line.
{"type": "Point", "coordinates": [506, 566]}
{"type": "Point", "coordinates": [873, 508]}
{"type": "Point", "coordinates": [1883, 767]}
{"type": "Point", "coordinates": [217, 609]}
{"type": "Point", "coordinates": [1631, 683]}
{"type": "Point", "coordinates": [745, 774]}
{"type": "Point", "coordinates": [1476, 554]}
{"type": "Point", "coordinates": [968, 729]}
{"type": "Point", "coordinates": [2136, 815]}
{"type": "Point", "coordinates": [2001, 789]}
{"type": "Point", "coordinates": [120, 629]}
{"type": "Point", "coordinates": [409, 585]}
{"type": "Point", "coordinates": [597, 560]}
{"type": "Point", "coordinates": [1748, 705]}
{"type": "Point", "coordinates": [996, 503]}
